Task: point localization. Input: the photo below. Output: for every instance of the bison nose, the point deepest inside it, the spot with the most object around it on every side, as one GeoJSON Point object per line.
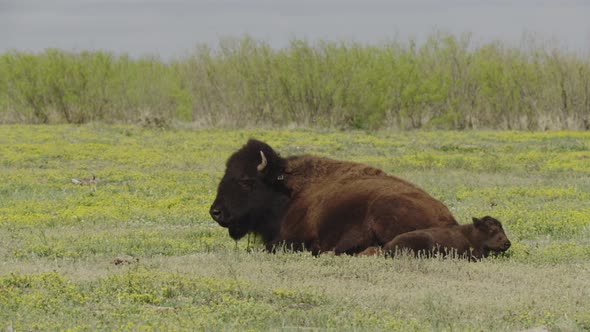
{"type": "Point", "coordinates": [507, 244]}
{"type": "Point", "coordinates": [216, 214]}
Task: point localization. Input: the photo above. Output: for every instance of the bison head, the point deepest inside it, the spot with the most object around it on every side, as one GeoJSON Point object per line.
{"type": "Point", "coordinates": [494, 238]}
{"type": "Point", "coordinates": [251, 194]}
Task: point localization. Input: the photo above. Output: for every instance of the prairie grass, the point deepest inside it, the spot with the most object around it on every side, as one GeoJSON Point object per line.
{"type": "Point", "coordinates": [155, 186]}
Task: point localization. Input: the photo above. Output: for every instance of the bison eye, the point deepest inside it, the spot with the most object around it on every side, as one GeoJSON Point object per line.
{"type": "Point", "coordinates": [246, 183]}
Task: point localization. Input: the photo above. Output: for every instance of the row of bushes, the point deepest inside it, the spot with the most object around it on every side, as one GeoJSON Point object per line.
{"type": "Point", "coordinates": [445, 82]}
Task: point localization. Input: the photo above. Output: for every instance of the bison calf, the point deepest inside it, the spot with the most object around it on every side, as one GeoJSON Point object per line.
{"type": "Point", "coordinates": [475, 240]}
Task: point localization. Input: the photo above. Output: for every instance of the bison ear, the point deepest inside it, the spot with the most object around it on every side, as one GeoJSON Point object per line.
{"type": "Point", "coordinates": [266, 170]}
{"type": "Point", "coordinates": [263, 158]}
{"type": "Point", "coordinates": [478, 223]}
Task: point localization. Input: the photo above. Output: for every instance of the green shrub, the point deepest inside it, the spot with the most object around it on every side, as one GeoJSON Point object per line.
{"type": "Point", "coordinates": [445, 82]}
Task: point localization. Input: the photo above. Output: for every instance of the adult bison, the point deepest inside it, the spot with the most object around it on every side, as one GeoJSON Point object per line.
{"type": "Point", "coordinates": [318, 204]}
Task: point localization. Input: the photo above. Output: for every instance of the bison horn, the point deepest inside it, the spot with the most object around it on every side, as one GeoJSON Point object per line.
{"type": "Point", "coordinates": [263, 163]}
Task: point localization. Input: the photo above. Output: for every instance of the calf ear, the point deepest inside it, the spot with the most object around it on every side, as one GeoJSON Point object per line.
{"type": "Point", "coordinates": [478, 223]}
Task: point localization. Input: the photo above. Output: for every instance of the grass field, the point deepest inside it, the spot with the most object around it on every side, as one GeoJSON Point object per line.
{"type": "Point", "coordinates": [181, 270]}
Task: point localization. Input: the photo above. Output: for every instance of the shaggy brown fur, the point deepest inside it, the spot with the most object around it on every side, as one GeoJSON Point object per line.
{"type": "Point", "coordinates": [319, 204]}
{"type": "Point", "coordinates": [475, 240]}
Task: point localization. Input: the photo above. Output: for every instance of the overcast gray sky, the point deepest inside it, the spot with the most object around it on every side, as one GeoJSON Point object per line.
{"type": "Point", "coordinates": [172, 28]}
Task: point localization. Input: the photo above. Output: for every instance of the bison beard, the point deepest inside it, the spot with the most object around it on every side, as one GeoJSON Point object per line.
{"type": "Point", "coordinates": [318, 204]}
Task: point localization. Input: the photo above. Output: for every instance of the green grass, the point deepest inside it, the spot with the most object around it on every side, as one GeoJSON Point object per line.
{"type": "Point", "coordinates": [155, 187]}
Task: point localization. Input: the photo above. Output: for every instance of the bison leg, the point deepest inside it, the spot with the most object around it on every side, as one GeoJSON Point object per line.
{"type": "Point", "coordinates": [353, 242]}
{"type": "Point", "coordinates": [371, 251]}
{"type": "Point", "coordinates": [415, 242]}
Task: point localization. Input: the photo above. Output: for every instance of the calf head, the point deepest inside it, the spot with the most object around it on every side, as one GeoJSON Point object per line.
{"type": "Point", "coordinates": [492, 234]}
{"type": "Point", "coordinates": [251, 193]}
